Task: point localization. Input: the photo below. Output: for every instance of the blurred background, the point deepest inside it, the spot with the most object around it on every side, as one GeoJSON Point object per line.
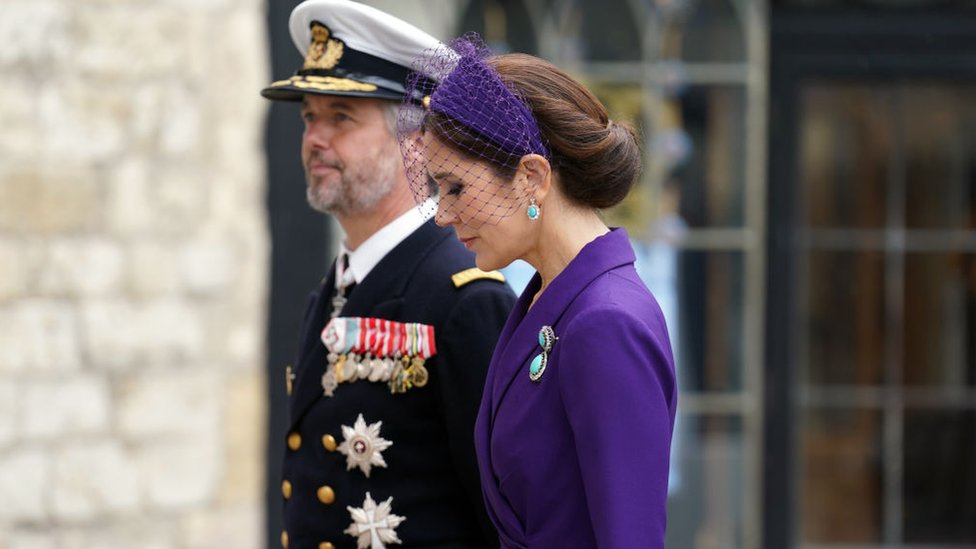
{"type": "Point", "coordinates": [806, 218]}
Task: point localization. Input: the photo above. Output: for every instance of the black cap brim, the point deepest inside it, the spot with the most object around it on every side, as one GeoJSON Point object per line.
{"type": "Point", "coordinates": [296, 87]}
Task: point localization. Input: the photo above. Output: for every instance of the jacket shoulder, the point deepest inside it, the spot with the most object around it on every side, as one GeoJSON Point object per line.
{"type": "Point", "coordinates": [467, 276]}
{"type": "Point", "coordinates": [448, 272]}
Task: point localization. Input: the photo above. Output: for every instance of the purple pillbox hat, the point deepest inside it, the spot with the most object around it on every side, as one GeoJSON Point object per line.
{"type": "Point", "coordinates": [474, 95]}
{"type": "Point", "coordinates": [455, 95]}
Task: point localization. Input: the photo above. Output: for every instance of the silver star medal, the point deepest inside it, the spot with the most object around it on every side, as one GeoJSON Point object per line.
{"type": "Point", "coordinates": [363, 445]}
{"type": "Point", "coordinates": [373, 525]}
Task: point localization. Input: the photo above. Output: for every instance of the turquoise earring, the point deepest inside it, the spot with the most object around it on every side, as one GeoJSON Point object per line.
{"type": "Point", "coordinates": [534, 211]}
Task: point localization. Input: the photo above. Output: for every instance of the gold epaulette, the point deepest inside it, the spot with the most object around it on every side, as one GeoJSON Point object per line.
{"type": "Point", "coordinates": [474, 273]}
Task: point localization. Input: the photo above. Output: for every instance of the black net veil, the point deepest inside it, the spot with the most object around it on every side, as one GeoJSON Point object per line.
{"type": "Point", "coordinates": [462, 133]}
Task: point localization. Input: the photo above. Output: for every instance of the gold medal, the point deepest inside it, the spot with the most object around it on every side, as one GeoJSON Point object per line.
{"type": "Point", "coordinates": [418, 373]}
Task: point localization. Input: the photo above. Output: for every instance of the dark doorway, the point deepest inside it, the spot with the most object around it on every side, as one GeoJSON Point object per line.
{"type": "Point", "coordinates": [871, 355]}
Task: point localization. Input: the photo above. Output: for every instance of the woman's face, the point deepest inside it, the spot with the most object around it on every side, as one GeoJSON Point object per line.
{"type": "Point", "coordinates": [481, 205]}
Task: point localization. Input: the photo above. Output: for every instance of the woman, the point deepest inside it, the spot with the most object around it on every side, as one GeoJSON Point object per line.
{"type": "Point", "coordinates": [574, 429]}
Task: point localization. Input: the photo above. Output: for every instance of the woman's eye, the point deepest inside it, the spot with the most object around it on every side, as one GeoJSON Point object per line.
{"type": "Point", "coordinates": [454, 190]}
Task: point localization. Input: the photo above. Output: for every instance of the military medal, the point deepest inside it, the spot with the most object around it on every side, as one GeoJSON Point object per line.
{"type": "Point", "coordinates": [415, 348]}
{"type": "Point", "coordinates": [344, 281]}
{"type": "Point", "coordinates": [418, 373]}
{"type": "Point", "coordinates": [363, 445]}
{"type": "Point", "coordinates": [329, 383]}
{"type": "Point", "coordinates": [547, 338]}
{"type": "Point", "coordinates": [374, 525]}
{"type": "Point", "coordinates": [377, 350]}
{"type": "Point", "coordinates": [338, 302]}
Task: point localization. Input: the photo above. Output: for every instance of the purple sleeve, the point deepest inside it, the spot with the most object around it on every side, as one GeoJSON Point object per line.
{"type": "Point", "coordinates": [616, 376]}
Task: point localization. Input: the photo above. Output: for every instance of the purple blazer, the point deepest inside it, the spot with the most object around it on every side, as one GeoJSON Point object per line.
{"type": "Point", "coordinates": [579, 458]}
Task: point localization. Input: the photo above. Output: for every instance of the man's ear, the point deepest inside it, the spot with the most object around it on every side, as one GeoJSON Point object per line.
{"type": "Point", "coordinates": [536, 174]}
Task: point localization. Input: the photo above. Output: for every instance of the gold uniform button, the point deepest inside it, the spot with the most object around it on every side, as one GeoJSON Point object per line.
{"type": "Point", "coordinates": [326, 495]}
{"type": "Point", "coordinates": [326, 545]}
{"type": "Point", "coordinates": [286, 489]}
{"type": "Point", "coordinates": [294, 441]}
{"type": "Point", "coordinates": [329, 442]}
{"type": "Point", "coordinates": [284, 539]}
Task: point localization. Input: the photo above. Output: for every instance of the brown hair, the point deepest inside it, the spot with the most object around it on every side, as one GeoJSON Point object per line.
{"type": "Point", "coordinates": [597, 159]}
{"type": "Point", "coordinates": [471, 144]}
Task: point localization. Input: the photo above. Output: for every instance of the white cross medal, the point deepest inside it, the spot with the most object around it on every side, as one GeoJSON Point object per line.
{"type": "Point", "coordinates": [363, 446]}
{"type": "Point", "coordinates": [373, 525]}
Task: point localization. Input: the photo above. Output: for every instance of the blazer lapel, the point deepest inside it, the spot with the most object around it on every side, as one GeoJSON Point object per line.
{"type": "Point", "coordinates": [312, 360]}
{"type": "Point", "coordinates": [603, 254]}
{"type": "Point", "coordinates": [520, 340]}
{"type": "Point", "coordinates": [381, 292]}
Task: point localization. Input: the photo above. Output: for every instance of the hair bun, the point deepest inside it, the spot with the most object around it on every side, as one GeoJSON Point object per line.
{"type": "Point", "coordinates": [598, 160]}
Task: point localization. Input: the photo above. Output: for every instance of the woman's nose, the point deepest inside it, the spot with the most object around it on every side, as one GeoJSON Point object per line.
{"type": "Point", "coordinates": [444, 217]}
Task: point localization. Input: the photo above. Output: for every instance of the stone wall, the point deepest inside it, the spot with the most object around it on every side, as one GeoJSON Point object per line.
{"type": "Point", "coordinates": [133, 260]}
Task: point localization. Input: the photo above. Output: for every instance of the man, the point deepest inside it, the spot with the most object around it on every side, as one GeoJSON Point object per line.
{"type": "Point", "coordinates": [396, 341]}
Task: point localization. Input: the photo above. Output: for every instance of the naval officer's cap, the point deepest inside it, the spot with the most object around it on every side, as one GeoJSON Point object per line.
{"type": "Point", "coordinates": [349, 49]}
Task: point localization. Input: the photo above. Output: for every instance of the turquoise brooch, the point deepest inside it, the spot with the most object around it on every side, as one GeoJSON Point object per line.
{"type": "Point", "coordinates": [547, 338]}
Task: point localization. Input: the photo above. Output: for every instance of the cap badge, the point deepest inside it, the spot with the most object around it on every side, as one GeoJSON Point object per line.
{"type": "Point", "coordinates": [324, 52]}
{"type": "Point", "coordinates": [374, 525]}
{"type": "Point", "coordinates": [363, 445]}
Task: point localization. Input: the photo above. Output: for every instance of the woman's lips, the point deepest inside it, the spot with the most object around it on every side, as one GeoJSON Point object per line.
{"type": "Point", "coordinates": [467, 241]}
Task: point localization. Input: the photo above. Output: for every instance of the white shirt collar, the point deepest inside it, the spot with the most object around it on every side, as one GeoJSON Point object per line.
{"type": "Point", "coordinates": [369, 253]}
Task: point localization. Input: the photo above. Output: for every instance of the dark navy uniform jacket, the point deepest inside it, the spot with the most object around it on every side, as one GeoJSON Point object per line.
{"type": "Point", "coordinates": [431, 471]}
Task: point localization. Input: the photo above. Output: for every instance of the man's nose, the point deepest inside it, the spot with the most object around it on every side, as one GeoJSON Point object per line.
{"type": "Point", "coordinates": [319, 135]}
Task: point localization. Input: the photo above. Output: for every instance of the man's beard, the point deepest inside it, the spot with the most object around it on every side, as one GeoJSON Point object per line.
{"type": "Point", "coordinates": [351, 191]}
